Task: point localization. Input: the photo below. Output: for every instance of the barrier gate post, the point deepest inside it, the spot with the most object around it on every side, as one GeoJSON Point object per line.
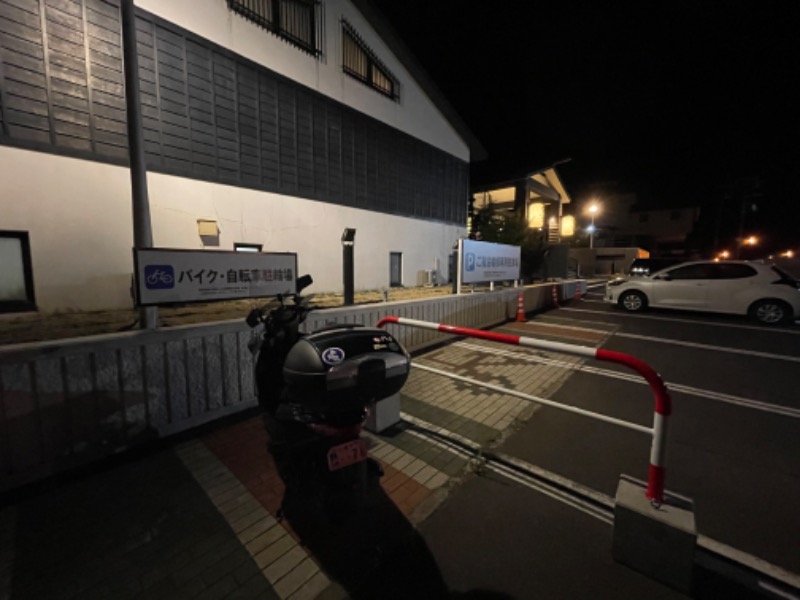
{"type": "Point", "coordinates": [663, 406]}
{"type": "Point", "coordinates": [650, 535]}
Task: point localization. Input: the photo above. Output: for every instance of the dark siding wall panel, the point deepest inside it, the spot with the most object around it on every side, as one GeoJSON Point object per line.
{"type": "Point", "coordinates": [227, 131]}
{"type": "Point", "coordinates": [348, 159]}
{"type": "Point", "coordinates": [103, 53]}
{"type": "Point", "coordinates": [69, 77]}
{"type": "Point", "coordinates": [287, 137]}
{"type": "Point", "coordinates": [334, 147]}
{"type": "Point", "coordinates": [26, 103]}
{"type": "Point", "coordinates": [207, 113]}
{"type": "Point", "coordinates": [248, 124]}
{"type": "Point", "coordinates": [305, 143]}
{"type": "Point", "coordinates": [201, 108]}
{"type": "Point", "coordinates": [268, 129]}
{"type": "Point", "coordinates": [319, 148]}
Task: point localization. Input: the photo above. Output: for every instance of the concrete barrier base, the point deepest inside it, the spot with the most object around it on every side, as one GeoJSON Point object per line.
{"type": "Point", "coordinates": [383, 414]}
{"type": "Point", "coordinates": [656, 541]}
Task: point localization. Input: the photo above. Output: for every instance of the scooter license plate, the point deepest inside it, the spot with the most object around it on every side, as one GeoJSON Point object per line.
{"type": "Point", "coordinates": [347, 454]}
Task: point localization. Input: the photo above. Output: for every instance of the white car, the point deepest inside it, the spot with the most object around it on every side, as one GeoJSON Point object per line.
{"type": "Point", "coordinates": [761, 291]}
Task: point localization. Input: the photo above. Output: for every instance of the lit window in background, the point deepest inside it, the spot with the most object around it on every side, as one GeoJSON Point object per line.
{"type": "Point", "coordinates": [536, 215]}
{"type": "Point", "coordinates": [568, 226]}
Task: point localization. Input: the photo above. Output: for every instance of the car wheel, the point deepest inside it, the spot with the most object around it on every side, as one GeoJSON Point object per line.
{"type": "Point", "coordinates": [770, 312]}
{"type": "Point", "coordinates": [633, 301]}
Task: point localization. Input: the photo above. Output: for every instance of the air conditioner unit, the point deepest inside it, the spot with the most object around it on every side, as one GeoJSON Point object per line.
{"type": "Point", "coordinates": [425, 278]}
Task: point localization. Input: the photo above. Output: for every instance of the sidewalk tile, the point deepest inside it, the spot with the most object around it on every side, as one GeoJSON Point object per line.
{"type": "Point", "coordinates": [278, 569]}
{"type": "Point", "coordinates": [312, 588]}
{"type": "Point", "coordinates": [273, 552]}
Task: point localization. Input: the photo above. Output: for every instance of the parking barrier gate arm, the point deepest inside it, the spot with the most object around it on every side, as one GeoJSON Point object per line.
{"type": "Point", "coordinates": [663, 404]}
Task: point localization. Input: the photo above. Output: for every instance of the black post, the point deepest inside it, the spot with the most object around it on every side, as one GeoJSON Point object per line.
{"type": "Point", "coordinates": [454, 270]}
{"type": "Point", "coordinates": [348, 265]}
{"type": "Point", "coordinates": [142, 232]}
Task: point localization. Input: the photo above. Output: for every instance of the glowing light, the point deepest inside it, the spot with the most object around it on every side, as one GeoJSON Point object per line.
{"type": "Point", "coordinates": [536, 215]}
{"type": "Point", "coordinates": [788, 254]}
{"type": "Point", "coordinates": [751, 241]}
{"type": "Point", "coordinates": [568, 226]}
{"type": "Point", "coordinates": [724, 254]}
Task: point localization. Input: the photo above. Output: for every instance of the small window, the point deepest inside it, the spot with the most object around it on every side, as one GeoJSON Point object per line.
{"type": "Point", "coordinates": [296, 21]}
{"type": "Point", "coordinates": [16, 277]}
{"type": "Point", "coordinates": [644, 217]}
{"type": "Point", "coordinates": [247, 247]}
{"type": "Point", "coordinates": [360, 62]}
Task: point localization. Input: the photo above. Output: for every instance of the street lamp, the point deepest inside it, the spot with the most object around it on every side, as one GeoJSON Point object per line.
{"type": "Point", "coordinates": [748, 241]}
{"type": "Point", "coordinates": [593, 208]}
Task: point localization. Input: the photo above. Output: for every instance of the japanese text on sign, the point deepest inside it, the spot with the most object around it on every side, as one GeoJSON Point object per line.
{"type": "Point", "coordinates": [169, 276]}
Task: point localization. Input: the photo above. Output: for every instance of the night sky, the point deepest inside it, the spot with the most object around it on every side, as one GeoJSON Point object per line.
{"type": "Point", "coordinates": [672, 101]}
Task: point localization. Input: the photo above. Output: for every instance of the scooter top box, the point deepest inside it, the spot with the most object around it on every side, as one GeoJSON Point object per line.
{"type": "Point", "coordinates": [345, 367]}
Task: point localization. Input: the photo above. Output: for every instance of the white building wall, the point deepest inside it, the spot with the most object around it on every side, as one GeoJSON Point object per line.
{"type": "Point", "coordinates": [415, 114]}
{"type": "Point", "coordinates": [78, 212]}
{"type": "Point", "coordinates": [79, 218]}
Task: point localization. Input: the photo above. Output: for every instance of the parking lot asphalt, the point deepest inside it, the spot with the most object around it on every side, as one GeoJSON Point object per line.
{"type": "Point", "coordinates": [199, 518]}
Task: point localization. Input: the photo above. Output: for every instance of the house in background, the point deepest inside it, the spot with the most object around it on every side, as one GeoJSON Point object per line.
{"type": "Point", "coordinates": [268, 126]}
{"type": "Point", "coordinates": [540, 196]}
{"type": "Point", "coordinates": [662, 231]}
{"type": "Point", "coordinates": [628, 228]}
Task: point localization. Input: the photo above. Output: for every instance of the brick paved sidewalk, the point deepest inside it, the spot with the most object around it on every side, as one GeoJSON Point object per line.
{"type": "Point", "coordinates": [200, 521]}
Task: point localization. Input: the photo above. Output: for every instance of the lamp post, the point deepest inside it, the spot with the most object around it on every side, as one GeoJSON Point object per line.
{"type": "Point", "coordinates": [593, 208]}
{"type": "Point", "coordinates": [348, 269]}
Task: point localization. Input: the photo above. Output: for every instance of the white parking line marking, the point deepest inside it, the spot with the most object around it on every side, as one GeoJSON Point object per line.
{"type": "Point", "coordinates": [778, 409]}
{"type": "Point", "coordinates": [539, 323]}
{"type": "Point", "coordinates": [673, 320]}
{"type": "Point", "coordinates": [709, 347]}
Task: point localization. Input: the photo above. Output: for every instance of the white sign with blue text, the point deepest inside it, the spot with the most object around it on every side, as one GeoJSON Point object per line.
{"type": "Point", "coordinates": [167, 276]}
{"type": "Point", "coordinates": [484, 261]}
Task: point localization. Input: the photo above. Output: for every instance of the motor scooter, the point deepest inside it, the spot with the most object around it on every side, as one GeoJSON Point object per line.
{"type": "Point", "coordinates": [315, 389]}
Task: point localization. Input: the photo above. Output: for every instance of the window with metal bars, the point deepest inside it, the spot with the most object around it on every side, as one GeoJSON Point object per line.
{"type": "Point", "coordinates": [359, 61]}
{"type": "Point", "coordinates": [296, 21]}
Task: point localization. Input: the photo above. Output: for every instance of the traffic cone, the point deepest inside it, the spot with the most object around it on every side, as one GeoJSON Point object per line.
{"type": "Point", "coordinates": [520, 309]}
{"type": "Point", "coordinates": [555, 296]}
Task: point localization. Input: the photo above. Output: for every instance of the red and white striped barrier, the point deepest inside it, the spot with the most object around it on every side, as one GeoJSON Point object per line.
{"type": "Point", "coordinates": [663, 404]}
{"type": "Point", "coordinates": [555, 296]}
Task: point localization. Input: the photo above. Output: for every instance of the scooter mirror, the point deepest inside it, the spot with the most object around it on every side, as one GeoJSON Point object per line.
{"type": "Point", "coordinates": [303, 282]}
{"type": "Point", "coordinates": [254, 317]}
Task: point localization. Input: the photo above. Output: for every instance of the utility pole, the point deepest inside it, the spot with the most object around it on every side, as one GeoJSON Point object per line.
{"type": "Point", "coordinates": [142, 231]}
